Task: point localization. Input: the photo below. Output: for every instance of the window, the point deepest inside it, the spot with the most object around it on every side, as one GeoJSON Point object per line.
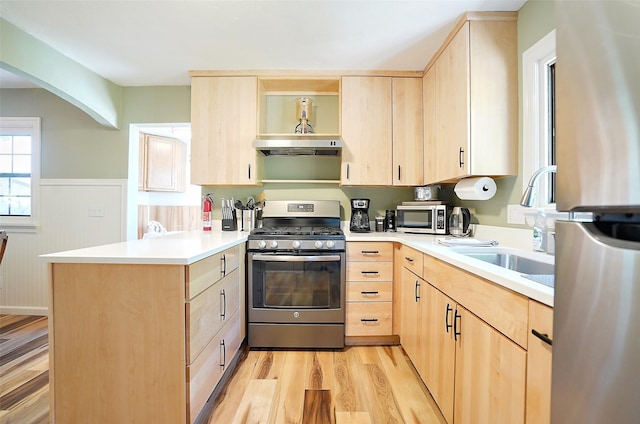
{"type": "Point", "coordinates": [538, 81]}
{"type": "Point", "coordinates": [19, 171]}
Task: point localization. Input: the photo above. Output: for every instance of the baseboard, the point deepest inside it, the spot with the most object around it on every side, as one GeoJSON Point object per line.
{"type": "Point", "coordinates": [371, 340]}
{"type": "Point", "coordinates": [24, 310]}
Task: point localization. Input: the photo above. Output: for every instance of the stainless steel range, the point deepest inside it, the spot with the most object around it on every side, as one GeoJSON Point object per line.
{"type": "Point", "coordinates": [296, 276]}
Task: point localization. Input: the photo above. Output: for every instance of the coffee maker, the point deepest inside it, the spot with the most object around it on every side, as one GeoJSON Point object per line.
{"type": "Point", "coordinates": [360, 216]}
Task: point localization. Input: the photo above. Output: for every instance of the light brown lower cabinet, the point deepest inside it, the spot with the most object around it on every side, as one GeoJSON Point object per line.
{"type": "Point", "coordinates": [369, 307]}
{"type": "Point", "coordinates": [142, 343]}
{"type": "Point", "coordinates": [539, 363]}
{"type": "Point", "coordinates": [474, 372]}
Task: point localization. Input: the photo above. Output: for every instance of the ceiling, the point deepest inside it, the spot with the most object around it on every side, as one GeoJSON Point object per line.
{"type": "Point", "coordinates": [138, 43]}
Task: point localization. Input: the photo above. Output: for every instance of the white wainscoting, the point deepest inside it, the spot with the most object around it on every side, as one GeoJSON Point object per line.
{"type": "Point", "coordinates": [65, 224]}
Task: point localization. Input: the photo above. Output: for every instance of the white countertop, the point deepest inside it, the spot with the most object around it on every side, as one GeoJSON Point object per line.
{"type": "Point", "coordinates": [185, 248]}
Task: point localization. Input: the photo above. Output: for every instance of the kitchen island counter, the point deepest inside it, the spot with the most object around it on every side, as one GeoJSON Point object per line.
{"type": "Point", "coordinates": [182, 248]}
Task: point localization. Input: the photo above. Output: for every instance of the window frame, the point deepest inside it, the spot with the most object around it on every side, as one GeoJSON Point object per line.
{"type": "Point", "coordinates": [535, 123]}
{"type": "Point", "coordinates": [21, 126]}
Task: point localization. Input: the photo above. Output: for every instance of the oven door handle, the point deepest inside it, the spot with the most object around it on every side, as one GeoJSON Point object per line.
{"type": "Point", "coordinates": [292, 258]}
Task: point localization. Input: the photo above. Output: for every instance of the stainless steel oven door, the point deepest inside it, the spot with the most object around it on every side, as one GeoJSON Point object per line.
{"type": "Point", "coordinates": [296, 288]}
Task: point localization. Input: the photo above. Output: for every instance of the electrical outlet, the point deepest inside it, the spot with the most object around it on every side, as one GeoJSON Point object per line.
{"type": "Point", "coordinates": [96, 210]}
{"type": "Point", "coordinates": [515, 214]}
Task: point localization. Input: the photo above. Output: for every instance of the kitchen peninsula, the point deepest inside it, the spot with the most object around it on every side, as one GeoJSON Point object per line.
{"type": "Point", "coordinates": [153, 324]}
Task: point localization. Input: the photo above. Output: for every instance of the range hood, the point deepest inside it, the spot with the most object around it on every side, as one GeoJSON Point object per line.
{"type": "Point", "coordinates": [299, 145]}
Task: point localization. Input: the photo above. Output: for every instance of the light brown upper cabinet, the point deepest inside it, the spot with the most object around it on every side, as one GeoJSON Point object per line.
{"type": "Point", "coordinates": [223, 127]}
{"type": "Point", "coordinates": [162, 163]}
{"type": "Point", "coordinates": [472, 129]}
{"type": "Point", "coordinates": [407, 132]}
{"type": "Point", "coordinates": [366, 131]}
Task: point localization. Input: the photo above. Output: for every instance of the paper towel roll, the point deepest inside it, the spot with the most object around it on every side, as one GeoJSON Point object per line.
{"type": "Point", "coordinates": [481, 188]}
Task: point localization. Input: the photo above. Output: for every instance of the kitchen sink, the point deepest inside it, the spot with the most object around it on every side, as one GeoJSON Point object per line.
{"type": "Point", "coordinates": [514, 262]}
{"type": "Point", "coordinates": [536, 270]}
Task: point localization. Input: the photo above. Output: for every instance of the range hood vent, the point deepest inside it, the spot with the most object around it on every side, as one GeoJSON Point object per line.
{"type": "Point", "coordinates": [305, 145]}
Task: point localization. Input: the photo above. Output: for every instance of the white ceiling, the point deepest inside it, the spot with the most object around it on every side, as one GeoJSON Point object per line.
{"type": "Point", "coordinates": [136, 42]}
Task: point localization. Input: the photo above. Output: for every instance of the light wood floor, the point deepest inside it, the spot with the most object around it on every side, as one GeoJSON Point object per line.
{"type": "Point", "coordinates": [24, 369]}
{"type": "Point", "coordinates": [354, 385]}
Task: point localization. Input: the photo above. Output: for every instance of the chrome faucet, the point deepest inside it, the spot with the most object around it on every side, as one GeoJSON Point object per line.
{"type": "Point", "coordinates": [529, 193]}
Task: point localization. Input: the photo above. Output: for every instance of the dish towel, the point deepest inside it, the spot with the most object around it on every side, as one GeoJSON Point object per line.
{"type": "Point", "coordinates": [451, 242]}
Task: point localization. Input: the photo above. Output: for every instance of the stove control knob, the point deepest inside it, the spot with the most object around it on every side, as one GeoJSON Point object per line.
{"type": "Point", "coordinates": [262, 244]}
{"type": "Point", "coordinates": [331, 244]}
{"type": "Point", "coordinates": [295, 244]}
{"type": "Point", "coordinates": [318, 244]}
{"type": "Point", "coordinates": [273, 244]}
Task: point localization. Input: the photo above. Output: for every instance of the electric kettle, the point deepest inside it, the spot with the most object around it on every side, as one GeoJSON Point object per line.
{"type": "Point", "coordinates": [459, 222]}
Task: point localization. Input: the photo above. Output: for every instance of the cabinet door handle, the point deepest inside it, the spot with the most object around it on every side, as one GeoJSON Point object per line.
{"type": "Point", "coordinates": [347, 171]}
{"type": "Point", "coordinates": [369, 252]}
{"type": "Point", "coordinates": [365, 293]}
{"type": "Point", "coordinates": [223, 302]}
{"type": "Point", "coordinates": [542, 336]}
{"type": "Point", "coordinates": [460, 156]}
{"type": "Point", "coordinates": [223, 350]}
{"type": "Point", "coordinates": [369, 319]}
{"type": "Point", "coordinates": [369, 272]}
{"type": "Point", "coordinates": [446, 318]}
{"type": "Point", "coordinates": [456, 326]}
{"type": "Point", "coordinates": [224, 265]}
{"type": "Point", "coordinates": [399, 178]}
{"type": "Point", "coordinates": [408, 259]}
{"type": "Point", "coordinates": [249, 171]}
{"type": "Point", "coordinates": [416, 291]}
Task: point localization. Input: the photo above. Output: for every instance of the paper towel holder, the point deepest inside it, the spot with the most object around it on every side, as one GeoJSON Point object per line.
{"type": "Point", "coordinates": [476, 188]}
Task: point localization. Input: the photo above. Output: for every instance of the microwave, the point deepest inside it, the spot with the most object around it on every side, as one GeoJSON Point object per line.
{"type": "Point", "coordinates": [428, 219]}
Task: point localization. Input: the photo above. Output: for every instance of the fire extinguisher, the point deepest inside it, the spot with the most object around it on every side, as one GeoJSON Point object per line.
{"type": "Point", "coordinates": [207, 206]}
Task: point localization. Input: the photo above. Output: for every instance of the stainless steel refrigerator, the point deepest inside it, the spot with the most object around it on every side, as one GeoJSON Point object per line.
{"type": "Point", "coordinates": [596, 346]}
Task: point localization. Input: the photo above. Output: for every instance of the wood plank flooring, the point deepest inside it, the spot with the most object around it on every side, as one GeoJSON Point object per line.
{"type": "Point", "coordinates": [360, 384]}
{"type": "Point", "coordinates": [24, 369]}
{"type": "Point", "coordinates": [357, 385]}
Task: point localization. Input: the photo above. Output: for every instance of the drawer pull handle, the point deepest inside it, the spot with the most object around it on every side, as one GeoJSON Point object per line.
{"type": "Point", "coordinates": [369, 319]}
{"type": "Point", "coordinates": [364, 293]}
{"type": "Point", "coordinates": [369, 272]}
{"type": "Point", "coordinates": [223, 350]}
{"type": "Point", "coordinates": [408, 259]}
{"type": "Point", "coordinates": [370, 252]}
{"type": "Point", "coordinates": [224, 265]}
{"type": "Point", "coordinates": [223, 315]}
{"type": "Point", "coordinates": [544, 337]}
{"type": "Point", "coordinates": [446, 318]}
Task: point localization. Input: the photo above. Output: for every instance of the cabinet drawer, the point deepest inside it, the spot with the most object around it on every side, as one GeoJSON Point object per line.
{"type": "Point", "coordinates": [502, 308]}
{"type": "Point", "coordinates": [209, 311]}
{"type": "Point", "coordinates": [369, 251]}
{"type": "Point", "coordinates": [207, 370]}
{"type": "Point", "coordinates": [369, 319]}
{"type": "Point", "coordinates": [412, 260]}
{"type": "Point", "coordinates": [369, 271]}
{"type": "Point", "coordinates": [358, 291]}
{"type": "Point", "coordinates": [208, 271]}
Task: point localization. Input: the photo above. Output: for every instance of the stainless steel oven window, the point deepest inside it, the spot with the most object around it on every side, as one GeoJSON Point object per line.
{"type": "Point", "coordinates": [296, 281]}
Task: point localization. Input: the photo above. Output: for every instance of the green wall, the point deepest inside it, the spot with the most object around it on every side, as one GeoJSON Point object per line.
{"type": "Point", "coordinates": [76, 146]}
{"type": "Point", "coordinates": [535, 20]}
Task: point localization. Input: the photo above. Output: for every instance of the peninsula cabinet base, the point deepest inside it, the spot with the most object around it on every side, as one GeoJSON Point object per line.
{"type": "Point", "coordinates": [117, 344]}
{"type": "Point", "coordinates": [120, 337]}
